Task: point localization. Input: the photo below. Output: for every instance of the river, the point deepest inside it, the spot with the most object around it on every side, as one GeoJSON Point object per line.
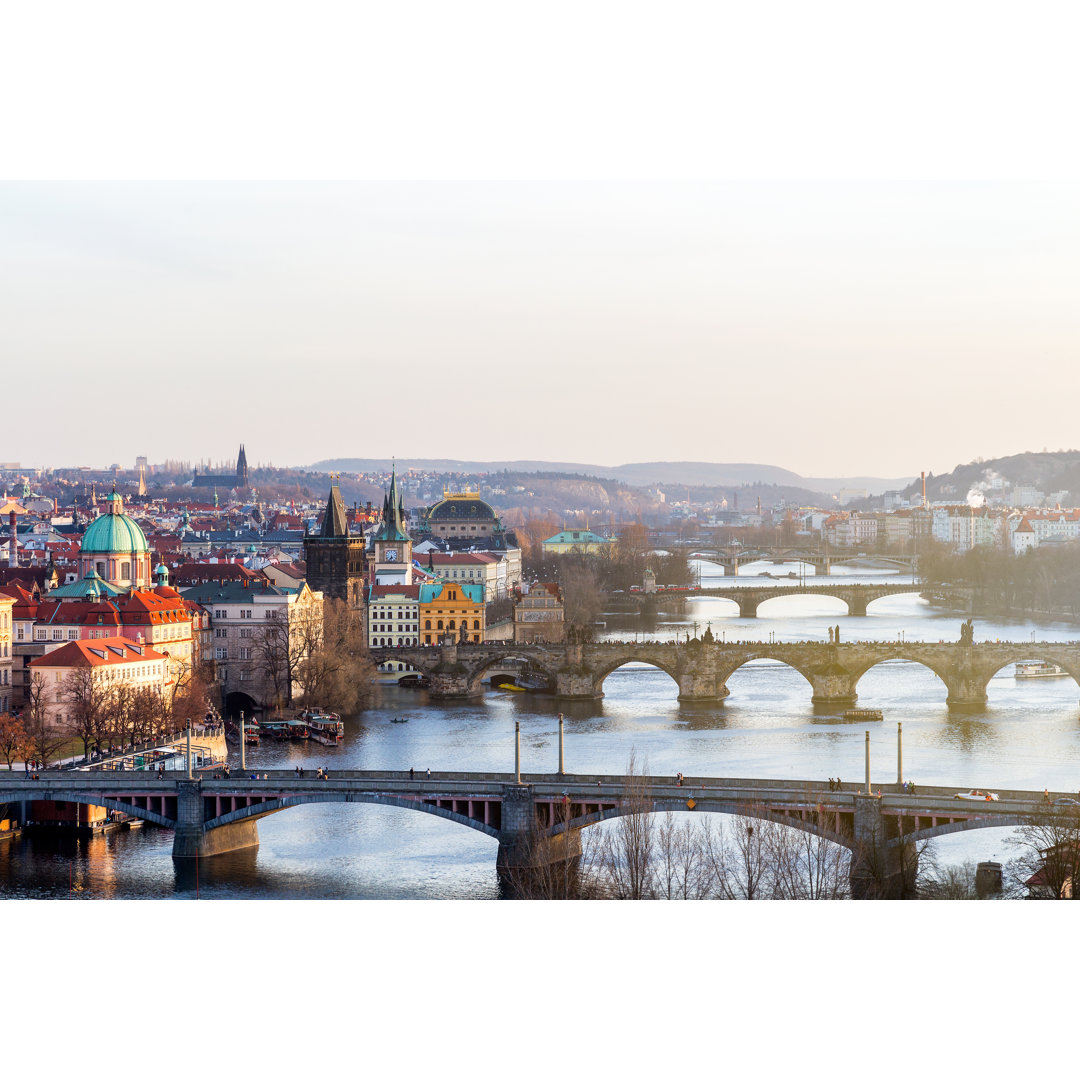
{"type": "Point", "coordinates": [1028, 736]}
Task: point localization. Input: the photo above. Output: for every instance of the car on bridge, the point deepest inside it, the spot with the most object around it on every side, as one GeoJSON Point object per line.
{"type": "Point", "coordinates": [976, 795]}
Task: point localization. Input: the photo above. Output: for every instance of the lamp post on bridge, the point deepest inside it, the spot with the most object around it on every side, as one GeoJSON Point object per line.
{"type": "Point", "coordinates": [189, 748]}
{"type": "Point", "coordinates": [868, 791]}
{"type": "Point", "coordinates": [517, 751]}
{"type": "Point", "coordinates": [243, 741]}
{"type": "Point", "coordinates": [899, 753]}
{"type": "Point", "coordinates": [562, 764]}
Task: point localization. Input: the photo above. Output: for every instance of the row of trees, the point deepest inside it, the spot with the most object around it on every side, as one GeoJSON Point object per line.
{"type": "Point", "coordinates": [1042, 581]}
{"type": "Point", "coordinates": [102, 716]}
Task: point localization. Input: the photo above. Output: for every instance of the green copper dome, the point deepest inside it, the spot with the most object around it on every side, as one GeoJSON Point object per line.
{"type": "Point", "coordinates": [113, 533]}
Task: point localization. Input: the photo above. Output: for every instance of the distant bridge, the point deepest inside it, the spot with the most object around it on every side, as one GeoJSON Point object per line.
{"type": "Point", "coordinates": [213, 816]}
{"type": "Point", "coordinates": [701, 670]}
{"type": "Point", "coordinates": [857, 597]}
{"type": "Point", "coordinates": [733, 556]}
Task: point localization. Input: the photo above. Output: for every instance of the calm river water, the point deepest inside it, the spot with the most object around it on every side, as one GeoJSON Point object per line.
{"type": "Point", "coordinates": [1027, 737]}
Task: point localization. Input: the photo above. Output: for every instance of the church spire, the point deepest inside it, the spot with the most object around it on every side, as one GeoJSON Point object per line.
{"type": "Point", "coordinates": [334, 523]}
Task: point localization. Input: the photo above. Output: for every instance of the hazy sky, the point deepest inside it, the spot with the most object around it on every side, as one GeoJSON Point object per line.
{"type": "Point", "coordinates": [510, 262]}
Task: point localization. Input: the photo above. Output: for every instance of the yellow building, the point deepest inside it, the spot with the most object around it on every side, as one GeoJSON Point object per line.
{"type": "Point", "coordinates": [451, 608]}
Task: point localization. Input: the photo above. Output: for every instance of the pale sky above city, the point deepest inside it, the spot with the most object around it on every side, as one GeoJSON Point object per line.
{"type": "Point", "coordinates": [862, 312]}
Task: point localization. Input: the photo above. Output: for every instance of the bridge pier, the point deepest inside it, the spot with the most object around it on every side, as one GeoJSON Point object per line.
{"type": "Point", "coordinates": [699, 685]}
{"type": "Point", "coordinates": [191, 838]}
{"type": "Point", "coordinates": [880, 869]}
{"type": "Point", "coordinates": [966, 692]}
{"type": "Point", "coordinates": [833, 686]}
{"type": "Point", "coordinates": [577, 686]}
{"type": "Point", "coordinates": [530, 863]}
{"type": "Point", "coordinates": [748, 606]}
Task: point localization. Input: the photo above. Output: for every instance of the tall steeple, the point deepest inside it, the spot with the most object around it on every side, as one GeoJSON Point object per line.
{"type": "Point", "coordinates": [393, 526]}
{"type": "Point", "coordinates": [335, 523]}
{"type": "Point", "coordinates": [242, 468]}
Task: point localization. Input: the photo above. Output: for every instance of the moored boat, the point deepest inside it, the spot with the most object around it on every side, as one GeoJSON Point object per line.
{"type": "Point", "coordinates": [325, 728]}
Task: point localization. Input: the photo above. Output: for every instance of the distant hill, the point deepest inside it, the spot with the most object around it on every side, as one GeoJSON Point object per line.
{"type": "Point", "coordinates": [697, 474]}
{"type": "Point", "coordinates": [1047, 472]}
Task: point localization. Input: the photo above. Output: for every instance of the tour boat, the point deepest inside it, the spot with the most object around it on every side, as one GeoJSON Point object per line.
{"type": "Point", "coordinates": [325, 728]}
{"type": "Point", "coordinates": [275, 729]}
{"type": "Point", "coordinates": [864, 714]}
{"type": "Point", "coordinates": [1039, 669]}
{"type": "Point", "coordinates": [251, 732]}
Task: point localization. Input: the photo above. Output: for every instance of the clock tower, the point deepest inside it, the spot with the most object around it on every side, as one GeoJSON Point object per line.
{"type": "Point", "coordinates": [391, 557]}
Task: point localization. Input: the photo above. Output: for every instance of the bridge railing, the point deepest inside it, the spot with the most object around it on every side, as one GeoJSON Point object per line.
{"type": "Point", "coordinates": [486, 783]}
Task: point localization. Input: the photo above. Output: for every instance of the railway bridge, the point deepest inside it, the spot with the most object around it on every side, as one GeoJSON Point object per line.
{"type": "Point", "coordinates": [539, 817]}
{"type": "Point", "coordinates": [701, 669]}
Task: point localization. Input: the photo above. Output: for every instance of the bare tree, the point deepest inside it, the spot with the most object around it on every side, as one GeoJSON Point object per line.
{"type": "Point", "coordinates": [14, 742]}
{"type": "Point", "coordinates": [45, 737]}
{"type": "Point", "coordinates": [805, 864]}
{"type": "Point", "coordinates": [1048, 863]}
{"type": "Point", "coordinates": [86, 697]}
{"type": "Point", "coordinates": [626, 860]}
{"type": "Point", "coordinates": [741, 859]}
{"type": "Point", "coordinates": [337, 672]}
{"type": "Point", "coordinates": [583, 597]}
{"type": "Point", "coordinates": [683, 870]}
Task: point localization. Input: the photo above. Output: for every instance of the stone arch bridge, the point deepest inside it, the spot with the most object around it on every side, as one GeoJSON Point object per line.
{"type": "Point", "coordinates": [857, 597]}
{"type": "Point", "coordinates": [701, 670]}
{"type": "Point", "coordinates": [211, 816]}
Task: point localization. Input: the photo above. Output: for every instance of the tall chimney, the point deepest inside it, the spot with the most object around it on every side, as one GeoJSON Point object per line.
{"type": "Point", "coordinates": [13, 552]}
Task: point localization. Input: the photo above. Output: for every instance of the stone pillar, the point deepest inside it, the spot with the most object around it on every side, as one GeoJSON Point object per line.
{"type": "Point", "coordinates": [879, 870]}
{"type": "Point", "coordinates": [833, 686]}
{"type": "Point", "coordinates": [966, 691]}
{"type": "Point", "coordinates": [857, 604]}
{"type": "Point", "coordinates": [191, 838]}
{"type": "Point", "coordinates": [530, 863]}
{"type": "Point", "coordinates": [577, 684]}
{"type": "Point", "coordinates": [698, 680]}
{"type": "Point", "coordinates": [748, 606]}
{"type": "Point", "coordinates": [451, 684]}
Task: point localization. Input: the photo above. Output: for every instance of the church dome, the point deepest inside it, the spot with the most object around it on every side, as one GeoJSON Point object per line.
{"type": "Point", "coordinates": [461, 508]}
{"type": "Point", "coordinates": [114, 533]}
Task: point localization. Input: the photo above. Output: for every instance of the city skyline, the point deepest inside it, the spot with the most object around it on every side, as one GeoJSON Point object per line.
{"type": "Point", "coordinates": [831, 329]}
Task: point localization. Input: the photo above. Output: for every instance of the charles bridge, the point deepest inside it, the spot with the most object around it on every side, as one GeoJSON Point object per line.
{"type": "Point", "coordinates": [701, 669]}
{"type": "Point", "coordinates": [537, 818]}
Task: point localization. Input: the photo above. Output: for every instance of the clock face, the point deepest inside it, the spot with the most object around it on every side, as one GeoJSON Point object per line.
{"type": "Point", "coordinates": [390, 555]}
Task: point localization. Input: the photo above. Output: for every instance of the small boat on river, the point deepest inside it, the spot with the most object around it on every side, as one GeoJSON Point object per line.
{"type": "Point", "coordinates": [1039, 669]}
{"type": "Point", "coordinates": [864, 714]}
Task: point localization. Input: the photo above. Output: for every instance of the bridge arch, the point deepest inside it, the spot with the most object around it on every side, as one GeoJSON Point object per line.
{"type": "Point", "coordinates": [734, 809]}
{"type": "Point", "coordinates": [237, 702]}
{"type": "Point", "coordinates": [1009, 821]}
{"type": "Point", "coordinates": [726, 671]}
{"type": "Point", "coordinates": [120, 805]}
{"type": "Point", "coordinates": [478, 672]}
{"type": "Point", "coordinates": [273, 806]}
{"type": "Point", "coordinates": [860, 669]}
{"type": "Point", "coordinates": [844, 606]}
{"type": "Point", "coordinates": [667, 664]}
{"type": "Point", "coordinates": [1068, 664]}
